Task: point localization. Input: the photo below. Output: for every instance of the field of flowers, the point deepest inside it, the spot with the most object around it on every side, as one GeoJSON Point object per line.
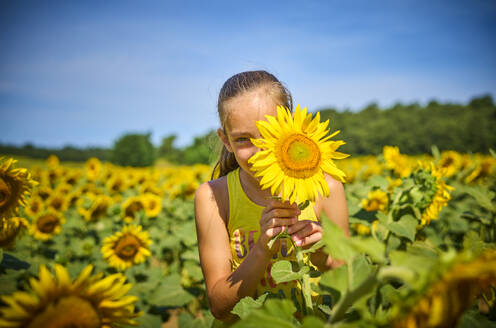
{"type": "Point", "coordinates": [98, 245]}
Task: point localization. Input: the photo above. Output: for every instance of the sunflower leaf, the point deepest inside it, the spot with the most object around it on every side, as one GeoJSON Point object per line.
{"type": "Point", "coordinates": [248, 304]}
{"type": "Point", "coordinates": [282, 271]}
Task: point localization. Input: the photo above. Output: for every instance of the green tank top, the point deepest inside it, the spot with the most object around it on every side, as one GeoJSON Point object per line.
{"type": "Point", "coordinates": [244, 230]}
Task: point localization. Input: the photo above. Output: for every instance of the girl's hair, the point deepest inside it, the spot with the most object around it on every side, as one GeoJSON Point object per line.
{"type": "Point", "coordinates": [235, 86]}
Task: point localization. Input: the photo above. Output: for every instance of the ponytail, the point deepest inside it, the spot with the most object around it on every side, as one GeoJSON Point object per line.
{"type": "Point", "coordinates": [226, 163]}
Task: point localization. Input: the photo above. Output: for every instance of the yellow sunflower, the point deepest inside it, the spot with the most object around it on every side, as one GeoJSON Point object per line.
{"type": "Point", "coordinates": [97, 207]}
{"type": "Point", "coordinates": [131, 207]}
{"type": "Point", "coordinates": [52, 161]}
{"type": "Point", "coordinates": [47, 225]}
{"type": "Point", "coordinates": [377, 200]}
{"type": "Point", "coordinates": [451, 162]}
{"type": "Point", "coordinates": [34, 206]}
{"type": "Point", "coordinates": [127, 247]}
{"type": "Point", "coordinates": [56, 301]}
{"type": "Point", "coordinates": [395, 161]}
{"type": "Point", "coordinates": [10, 229]}
{"type": "Point", "coordinates": [296, 152]}
{"type": "Point", "coordinates": [15, 185]}
{"type": "Point", "coordinates": [57, 201]}
{"type": "Point", "coordinates": [93, 168]}
{"type": "Point", "coordinates": [152, 204]}
{"type": "Point", "coordinates": [446, 299]}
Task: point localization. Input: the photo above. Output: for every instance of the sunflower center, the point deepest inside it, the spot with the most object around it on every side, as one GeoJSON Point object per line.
{"type": "Point", "coordinates": [5, 192]}
{"type": "Point", "coordinates": [134, 207]}
{"type": "Point", "coordinates": [67, 312]}
{"type": "Point", "coordinates": [47, 223]}
{"type": "Point", "coordinates": [127, 247]}
{"type": "Point", "coordinates": [299, 156]}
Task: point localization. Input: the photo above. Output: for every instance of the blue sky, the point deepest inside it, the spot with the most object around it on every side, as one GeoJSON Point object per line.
{"type": "Point", "coordinates": [84, 73]}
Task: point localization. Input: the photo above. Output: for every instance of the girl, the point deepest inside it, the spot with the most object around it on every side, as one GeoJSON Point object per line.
{"type": "Point", "coordinates": [235, 218]}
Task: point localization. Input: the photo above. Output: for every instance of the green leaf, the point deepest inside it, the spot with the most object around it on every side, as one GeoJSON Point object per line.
{"type": "Point", "coordinates": [483, 197]}
{"type": "Point", "coordinates": [314, 247]}
{"type": "Point", "coordinates": [406, 227]}
{"type": "Point", "coordinates": [378, 181]}
{"type": "Point", "coordinates": [274, 313]}
{"type": "Point", "coordinates": [186, 320]}
{"type": "Point", "coordinates": [247, 304]}
{"type": "Point", "coordinates": [282, 271]}
{"type": "Point", "coordinates": [336, 279]}
{"type": "Point", "coordinates": [368, 245]}
{"type": "Point", "coordinates": [473, 319]}
{"type": "Point", "coordinates": [170, 293]}
{"type": "Point", "coordinates": [361, 269]}
{"type": "Point", "coordinates": [149, 321]}
{"type": "Point", "coordinates": [336, 243]}
{"type": "Point", "coordinates": [312, 322]}
{"type": "Point", "coordinates": [8, 281]}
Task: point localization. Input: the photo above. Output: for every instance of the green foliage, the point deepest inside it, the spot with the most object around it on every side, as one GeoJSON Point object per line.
{"type": "Point", "coordinates": [414, 129]}
{"type": "Point", "coordinates": [133, 150]}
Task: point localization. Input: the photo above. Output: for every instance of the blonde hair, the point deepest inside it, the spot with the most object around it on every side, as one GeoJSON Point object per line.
{"type": "Point", "coordinates": [235, 86]}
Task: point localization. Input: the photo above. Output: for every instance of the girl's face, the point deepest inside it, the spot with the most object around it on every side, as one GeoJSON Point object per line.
{"type": "Point", "coordinates": [242, 113]}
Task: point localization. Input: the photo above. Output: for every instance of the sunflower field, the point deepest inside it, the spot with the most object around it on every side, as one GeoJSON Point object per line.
{"type": "Point", "coordinates": [98, 245]}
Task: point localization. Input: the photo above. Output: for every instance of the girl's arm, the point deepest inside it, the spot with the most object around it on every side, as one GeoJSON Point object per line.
{"type": "Point", "coordinates": [226, 288]}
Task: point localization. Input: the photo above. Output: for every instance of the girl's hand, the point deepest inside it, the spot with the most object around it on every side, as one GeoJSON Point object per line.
{"type": "Point", "coordinates": [276, 217]}
{"type": "Point", "coordinates": [305, 232]}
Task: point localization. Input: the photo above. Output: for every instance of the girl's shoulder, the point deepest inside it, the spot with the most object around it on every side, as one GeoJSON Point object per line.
{"type": "Point", "coordinates": [336, 188]}
{"type": "Point", "coordinates": [214, 195]}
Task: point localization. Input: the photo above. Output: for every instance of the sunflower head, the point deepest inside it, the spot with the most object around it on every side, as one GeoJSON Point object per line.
{"type": "Point", "coordinates": [57, 301]}
{"type": "Point", "coordinates": [15, 185]}
{"type": "Point", "coordinates": [10, 229]}
{"type": "Point", "coordinates": [152, 204]}
{"type": "Point", "coordinates": [47, 225]}
{"type": "Point", "coordinates": [93, 168]}
{"type": "Point", "coordinates": [377, 200]}
{"type": "Point", "coordinates": [295, 153]}
{"type": "Point", "coordinates": [127, 247]}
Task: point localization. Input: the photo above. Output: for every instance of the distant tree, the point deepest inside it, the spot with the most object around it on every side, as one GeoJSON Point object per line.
{"type": "Point", "coordinates": [203, 150]}
{"type": "Point", "coordinates": [133, 150]}
{"type": "Point", "coordinates": [167, 149]}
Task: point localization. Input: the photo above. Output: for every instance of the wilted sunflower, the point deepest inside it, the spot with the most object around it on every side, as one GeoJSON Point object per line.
{"type": "Point", "coordinates": [445, 300]}
{"type": "Point", "coordinates": [296, 152]}
{"type": "Point", "coordinates": [127, 247]}
{"type": "Point", "coordinates": [15, 185]}
{"type": "Point", "coordinates": [10, 229]}
{"type": "Point", "coordinates": [57, 302]}
{"type": "Point", "coordinates": [377, 200]}
{"type": "Point", "coordinates": [47, 225]}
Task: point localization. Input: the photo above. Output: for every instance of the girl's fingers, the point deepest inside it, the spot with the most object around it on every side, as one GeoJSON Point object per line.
{"type": "Point", "coordinates": [271, 232]}
{"type": "Point", "coordinates": [277, 222]}
{"type": "Point", "coordinates": [308, 240]}
{"type": "Point", "coordinates": [297, 227]}
{"type": "Point", "coordinates": [277, 204]}
{"type": "Point", "coordinates": [309, 228]}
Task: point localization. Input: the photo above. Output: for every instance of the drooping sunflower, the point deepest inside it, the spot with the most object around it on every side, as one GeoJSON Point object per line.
{"type": "Point", "coordinates": [436, 193]}
{"type": "Point", "coordinates": [127, 247]}
{"type": "Point", "coordinates": [15, 186]}
{"type": "Point", "coordinates": [56, 301]}
{"type": "Point", "coordinates": [10, 229]}
{"type": "Point", "coordinates": [296, 152]}
{"type": "Point", "coordinates": [47, 225]}
{"type": "Point", "coordinates": [377, 200]}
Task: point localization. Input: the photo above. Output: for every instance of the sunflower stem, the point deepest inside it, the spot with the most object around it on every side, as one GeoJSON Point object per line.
{"type": "Point", "coordinates": [306, 289]}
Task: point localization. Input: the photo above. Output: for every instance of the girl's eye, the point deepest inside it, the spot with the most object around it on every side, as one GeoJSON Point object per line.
{"type": "Point", "coordinates": [242, 139]}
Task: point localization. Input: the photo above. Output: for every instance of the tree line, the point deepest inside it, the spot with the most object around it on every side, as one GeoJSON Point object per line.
{"type": "Point", "coordinates": [467, 128]}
